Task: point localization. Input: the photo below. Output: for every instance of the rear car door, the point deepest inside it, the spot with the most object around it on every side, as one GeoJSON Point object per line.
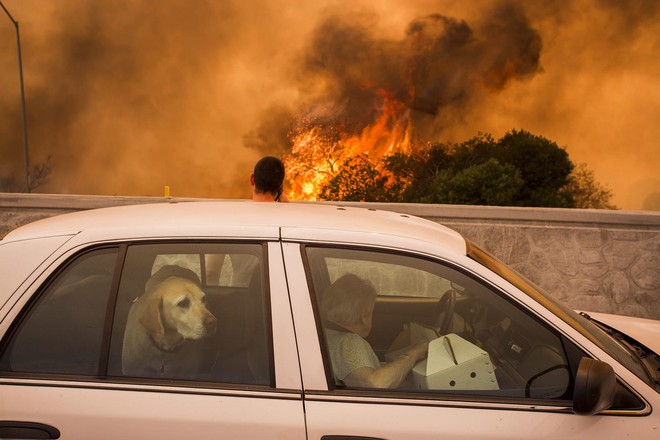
{"type": "Point", "coordinates": [511, 373]}
{"type": "Point", "coordinates": [63, 366]}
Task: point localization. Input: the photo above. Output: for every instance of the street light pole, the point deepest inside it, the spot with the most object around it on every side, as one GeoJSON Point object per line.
{"type": "Point", "coordinates": [20, 73]}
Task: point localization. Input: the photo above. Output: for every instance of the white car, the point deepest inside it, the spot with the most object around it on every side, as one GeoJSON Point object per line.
{"type": "Point", "coordinates": [204, 320]}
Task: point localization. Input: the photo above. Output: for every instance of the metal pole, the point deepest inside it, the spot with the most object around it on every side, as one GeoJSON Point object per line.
{"type": "Point", "coordinates": [20, 73]}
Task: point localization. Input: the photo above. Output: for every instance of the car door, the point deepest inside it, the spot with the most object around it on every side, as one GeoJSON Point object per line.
{"type": "Point", "coordinates": [63, 367]}
{"type": "Point", "coordinates": [510, 372]}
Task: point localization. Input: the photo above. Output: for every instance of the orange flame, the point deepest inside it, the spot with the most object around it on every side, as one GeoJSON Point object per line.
{"type": "Point", "coordinates": [317, 156]}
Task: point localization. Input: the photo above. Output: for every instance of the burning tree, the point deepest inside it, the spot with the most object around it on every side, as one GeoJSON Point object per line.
{"type": "Point", "coordinates": [315, 158]}
{"type": "Point", "coordinates": [361, 180]}
{"type": "Point", "coordinates": [323, 148]}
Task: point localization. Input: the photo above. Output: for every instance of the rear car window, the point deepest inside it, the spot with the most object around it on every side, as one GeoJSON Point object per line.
{"type": "Point", "coordinates": [162, 311]}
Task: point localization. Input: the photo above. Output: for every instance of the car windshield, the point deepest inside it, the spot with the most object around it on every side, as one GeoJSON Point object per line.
{"type": "Point", "coordinates": [579, 322]}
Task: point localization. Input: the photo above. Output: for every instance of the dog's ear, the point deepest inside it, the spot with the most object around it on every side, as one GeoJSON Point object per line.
{"type": "Point", "coordinates": [151, 319]}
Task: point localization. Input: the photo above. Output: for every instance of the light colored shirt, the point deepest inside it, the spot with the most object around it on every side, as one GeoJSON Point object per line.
{"type": "Point", "coordinates": [348, 352]}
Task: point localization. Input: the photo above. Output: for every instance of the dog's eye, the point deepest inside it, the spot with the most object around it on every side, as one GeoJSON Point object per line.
{"type": "Point", "coordinates": [184, 303]}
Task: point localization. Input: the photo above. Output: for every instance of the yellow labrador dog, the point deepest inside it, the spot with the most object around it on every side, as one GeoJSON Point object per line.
{"type": "Point", "coordinates": [165, 325]}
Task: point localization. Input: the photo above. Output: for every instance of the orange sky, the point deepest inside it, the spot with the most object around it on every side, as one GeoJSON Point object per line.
{"type": "Point", "coordinates": [127, 96]}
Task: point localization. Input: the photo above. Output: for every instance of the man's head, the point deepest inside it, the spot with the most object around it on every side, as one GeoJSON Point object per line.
{"type": "Point", "coordinates": [268, 176]}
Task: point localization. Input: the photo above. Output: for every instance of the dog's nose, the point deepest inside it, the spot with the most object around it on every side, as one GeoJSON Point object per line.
{"type": "Point", "coordinates": [210, 323]}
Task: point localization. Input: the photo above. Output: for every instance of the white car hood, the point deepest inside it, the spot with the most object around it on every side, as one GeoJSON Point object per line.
{"type": "Point", "coordinates": [646, 331]}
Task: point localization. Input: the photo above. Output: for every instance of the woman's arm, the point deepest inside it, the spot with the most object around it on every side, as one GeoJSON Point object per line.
{"type": "Point", "coordinates": [391, 374]}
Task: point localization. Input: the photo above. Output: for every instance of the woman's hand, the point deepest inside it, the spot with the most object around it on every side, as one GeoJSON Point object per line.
{"type": "Point", "coordinates": [418, 351]}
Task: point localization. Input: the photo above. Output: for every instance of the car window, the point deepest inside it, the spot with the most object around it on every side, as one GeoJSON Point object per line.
{"type": "Point", "coordinates": [63, 333]}
{"type": "Point", "coordinates": [179, 311]}
{"type": "Point", "coordinates": [480, 342]}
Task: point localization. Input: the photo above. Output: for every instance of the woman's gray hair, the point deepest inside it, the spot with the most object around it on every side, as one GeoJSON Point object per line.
{"type": "Point", "coordinates": [344, 301]}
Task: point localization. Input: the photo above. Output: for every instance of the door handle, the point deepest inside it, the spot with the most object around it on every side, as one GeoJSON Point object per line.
{"type": "Point", "coordinates": [27, 430]}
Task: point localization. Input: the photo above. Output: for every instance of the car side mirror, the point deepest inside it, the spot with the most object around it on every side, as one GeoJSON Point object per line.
{"type": "Point", "coordinates": [595, 386]}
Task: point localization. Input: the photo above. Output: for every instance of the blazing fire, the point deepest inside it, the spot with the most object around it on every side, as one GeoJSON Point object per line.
{"type": "Point", "coordinates": [318, 152]}
{"type": "Point", "coordinates": [442, 66]}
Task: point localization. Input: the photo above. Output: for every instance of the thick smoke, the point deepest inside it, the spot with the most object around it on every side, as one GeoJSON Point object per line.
{"type": "Point", "coordinates": [130, 95]}
{"type": "Point", "coordinates": [440, 68]}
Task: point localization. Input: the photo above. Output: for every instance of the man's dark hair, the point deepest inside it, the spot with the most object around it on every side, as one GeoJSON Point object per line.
{"type": "Point", "coordinates": [269, 175]}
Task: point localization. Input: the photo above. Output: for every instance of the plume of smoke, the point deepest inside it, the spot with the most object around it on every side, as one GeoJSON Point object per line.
{"type": "Point", "coordinates": [440, 68]}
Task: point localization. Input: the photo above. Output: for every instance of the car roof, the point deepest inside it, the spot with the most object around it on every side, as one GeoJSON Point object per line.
{"type": "Point", "coordinates": [164, 219]}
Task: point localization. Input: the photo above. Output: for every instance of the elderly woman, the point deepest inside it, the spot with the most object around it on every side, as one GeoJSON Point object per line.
{"type": "Point", "coordinates": [347, 307]}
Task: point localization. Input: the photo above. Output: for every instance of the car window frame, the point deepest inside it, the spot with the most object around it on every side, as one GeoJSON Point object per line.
{"type": "Point", "coordinates": [73, 255]}
{"type": "Point", "coordinates": [436, 395]}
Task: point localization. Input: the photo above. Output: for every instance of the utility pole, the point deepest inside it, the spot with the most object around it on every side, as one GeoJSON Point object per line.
{"type": "Point", "coordinates": [20, 74]}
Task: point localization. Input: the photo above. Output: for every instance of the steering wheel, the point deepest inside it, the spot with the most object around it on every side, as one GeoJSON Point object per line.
{"type": "Point", "coordinates": [444, 312]}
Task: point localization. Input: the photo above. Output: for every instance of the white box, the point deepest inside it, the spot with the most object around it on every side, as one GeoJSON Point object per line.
{"type": "Point", "coordinates": [467, 368]}
{"type": "Point", "coordinates": [452, 362]}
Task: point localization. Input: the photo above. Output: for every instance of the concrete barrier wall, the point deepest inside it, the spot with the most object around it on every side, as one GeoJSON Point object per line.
{"type": "Point", "coordinates": [602, 261]}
